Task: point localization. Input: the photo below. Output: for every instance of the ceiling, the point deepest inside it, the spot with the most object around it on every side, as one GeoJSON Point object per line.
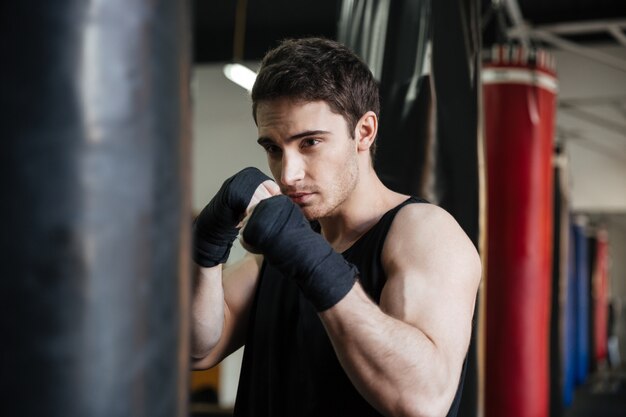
{"type": "Point", "coordinates": [267, 21]}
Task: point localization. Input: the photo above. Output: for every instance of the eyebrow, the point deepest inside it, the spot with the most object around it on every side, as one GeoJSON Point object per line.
{"type": "Point", "coordinates": [264, 139]}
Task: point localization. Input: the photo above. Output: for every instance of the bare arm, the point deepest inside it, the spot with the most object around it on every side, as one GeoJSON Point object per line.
{"type": "Point", "coordinates": [405, 356]}
{"type": "Point", "coordinates": [220, 309]}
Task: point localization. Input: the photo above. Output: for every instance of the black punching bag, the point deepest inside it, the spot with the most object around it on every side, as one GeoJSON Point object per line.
{"type": "Point", "coordinates": [95, 205]}
{"type": "Point", "coordinates": [427, 146]}
{"type": "Point", "coordinates": [456, 172]}
{"type": "Point", "coordinates": [392, 37]}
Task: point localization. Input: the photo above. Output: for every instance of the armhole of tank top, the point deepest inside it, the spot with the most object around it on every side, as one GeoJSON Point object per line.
{"type": "Point", "coordinates": [387, 220]}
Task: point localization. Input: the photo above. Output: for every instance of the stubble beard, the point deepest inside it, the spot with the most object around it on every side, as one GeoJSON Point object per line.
{"type": "Point", "coordinates": [337, 194]}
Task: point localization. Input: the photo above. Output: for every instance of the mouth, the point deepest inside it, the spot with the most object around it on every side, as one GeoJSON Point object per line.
{"type": "Point", "coordinates": [300, 198]}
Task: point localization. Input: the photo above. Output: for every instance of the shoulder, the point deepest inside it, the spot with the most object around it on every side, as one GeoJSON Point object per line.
{"type": "Point", "coordinates": [425, 235]}
{"type": "Point", "coordinates": [425, 222]}
{"type": "Point", "coordinates": [422, 222]}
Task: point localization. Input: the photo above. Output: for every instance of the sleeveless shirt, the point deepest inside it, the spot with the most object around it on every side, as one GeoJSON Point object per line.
{"type": "Point", "coordinates": [289, 366]}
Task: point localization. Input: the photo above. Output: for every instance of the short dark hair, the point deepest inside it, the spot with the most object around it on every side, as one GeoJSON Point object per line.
{"type": "Point", "coordinates": [313, 69]}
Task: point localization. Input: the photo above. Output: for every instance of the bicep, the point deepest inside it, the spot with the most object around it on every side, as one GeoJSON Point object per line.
{"type": "Point", "coordinates": [433, 272]}
{"type": "Point", "coordinates": [239, 281]}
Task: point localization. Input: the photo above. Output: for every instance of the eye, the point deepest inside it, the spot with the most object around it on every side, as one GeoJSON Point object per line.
{"type": "Point", "coordinates": [308, 142]}
{"type": "Point", "coordinates": [271, 149]}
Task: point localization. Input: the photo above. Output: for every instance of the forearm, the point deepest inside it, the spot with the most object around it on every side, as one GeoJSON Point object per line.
{"type": "Point", "coordinates": [394, 365]}
{"type": "Point", "coordinates": [207, 311]}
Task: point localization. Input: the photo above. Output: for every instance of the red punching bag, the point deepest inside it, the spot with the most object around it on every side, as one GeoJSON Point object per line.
{"type": "Point", "coordinates": [519, 88]}
{"type": "Point", "coordinates": [600, 296]}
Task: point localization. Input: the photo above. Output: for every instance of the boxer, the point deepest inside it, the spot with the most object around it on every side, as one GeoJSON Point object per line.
{"type": "Point", "coordinates": [354, 299]}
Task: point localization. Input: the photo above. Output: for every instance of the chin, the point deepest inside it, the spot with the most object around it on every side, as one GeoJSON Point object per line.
{"type": "Point", "coordinates": [311, 213]}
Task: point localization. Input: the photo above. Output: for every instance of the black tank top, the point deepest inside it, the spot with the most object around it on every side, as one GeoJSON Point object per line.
{"type": "Point", "coordinates": [289, 366]}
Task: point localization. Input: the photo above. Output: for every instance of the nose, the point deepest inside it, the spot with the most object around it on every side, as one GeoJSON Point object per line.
{"type": "Point", "coordinates": [292, 169]}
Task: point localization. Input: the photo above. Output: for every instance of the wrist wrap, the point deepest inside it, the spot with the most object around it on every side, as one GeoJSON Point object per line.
{"type": "Point", "coordinates": [215, 228]}
{"type": "Point", "coordinates": [280, 231]}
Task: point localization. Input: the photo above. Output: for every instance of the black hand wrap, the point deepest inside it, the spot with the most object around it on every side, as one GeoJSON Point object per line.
{"type": "Point", "coordinates": [215, 228]}
{"type": "Point", "coordinates": [280, 231]}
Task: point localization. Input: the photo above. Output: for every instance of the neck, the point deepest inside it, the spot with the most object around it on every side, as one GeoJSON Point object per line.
{"type": "Point", "coordinates": [360, 211]}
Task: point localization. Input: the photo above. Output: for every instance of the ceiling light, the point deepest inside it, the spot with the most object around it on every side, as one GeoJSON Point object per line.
{"type": "Point", "coordinates": [240, 75]}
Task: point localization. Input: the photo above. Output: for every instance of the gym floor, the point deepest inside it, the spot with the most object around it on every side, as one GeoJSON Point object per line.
{"type": "Point", "coordinates": [604, 395]}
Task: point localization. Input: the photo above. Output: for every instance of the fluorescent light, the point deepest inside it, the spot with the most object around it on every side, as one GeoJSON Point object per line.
{"type": "Point", "coordinates": [240, 75]}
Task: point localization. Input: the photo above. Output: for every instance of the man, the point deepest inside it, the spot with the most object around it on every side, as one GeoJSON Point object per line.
{"type": "Point", "coordinates": [358, 300]}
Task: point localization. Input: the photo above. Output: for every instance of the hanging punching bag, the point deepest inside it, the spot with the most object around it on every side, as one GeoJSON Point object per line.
{"type": "Point", "coordinates": [559, 282]}
{"type": "Point", "coordinates": [392, 37]}
{"type": "Point", "coordinates": [519, 105]}
{"type": "Point", "coordinates": [600, 296]}
{"type": "Point", "coordinates": [95, 179]}
{"type": "Point", "coordinates": [581, 265]}
{"type": "Point", "coordinates": [454, 176]}
{"type": "Point", "coordinates": [570, 348]}
{"type": "Point", "coordinates": [592, 245]}
{"type": "Point", "coordinates": [426, 146]}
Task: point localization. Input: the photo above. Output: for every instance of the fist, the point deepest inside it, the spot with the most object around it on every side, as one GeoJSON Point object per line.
{"type": "Point", "coordinates": [265, 190]}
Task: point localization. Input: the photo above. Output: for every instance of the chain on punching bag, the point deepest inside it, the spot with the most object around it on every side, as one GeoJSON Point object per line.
{"type": "Point", "coordinates": [519, 89]}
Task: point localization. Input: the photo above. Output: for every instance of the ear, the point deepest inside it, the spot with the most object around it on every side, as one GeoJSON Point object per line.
{"type": "Point", "coordinates": [365, 131]}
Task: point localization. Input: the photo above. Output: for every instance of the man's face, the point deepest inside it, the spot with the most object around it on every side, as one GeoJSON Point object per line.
{"type": "Point", "coordinates": [310, 153]}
